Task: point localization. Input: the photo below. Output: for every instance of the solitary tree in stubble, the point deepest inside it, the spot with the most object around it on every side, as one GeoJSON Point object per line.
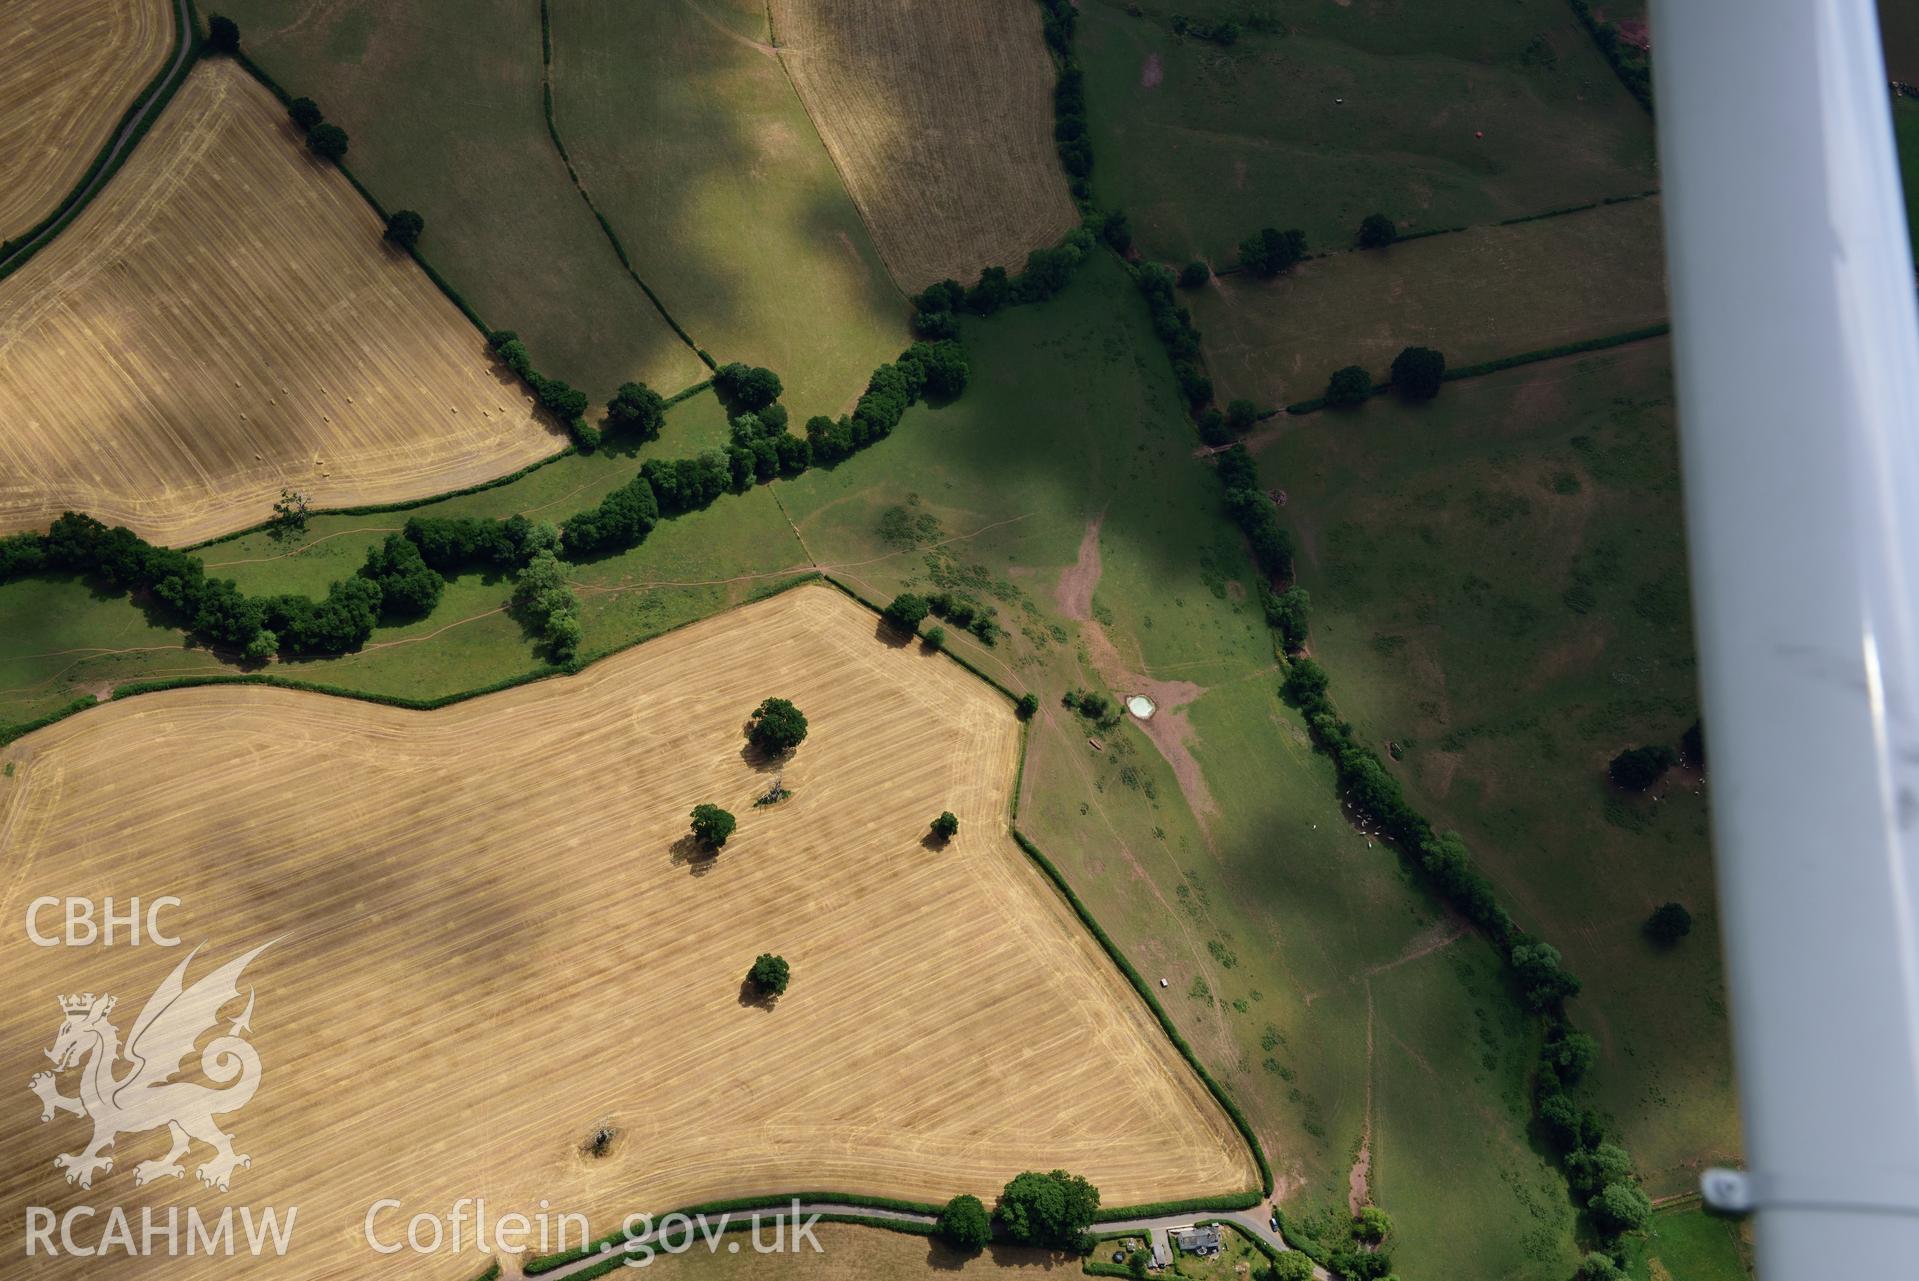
{"type": "Point", "coordinates": [712, 825]}
{"type": "Point", "coordinates": [769, 974]}
{"type": "Point", "coordinates": [776, 727]}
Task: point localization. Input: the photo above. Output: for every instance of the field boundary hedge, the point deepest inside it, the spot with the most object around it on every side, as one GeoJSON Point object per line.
{"type": "Point", "coordinates": [132, 689]}
{"type": "Point", "coordinates": [606, 228]}
{"type": "Point", "coordinates": [153, 99]}
{"type": "Point", "coordinates": [410, 504]}
{"type": "Point", "coordinates": [1133, 976]}
{"type": "Point", "coordinates": [1502, 363]}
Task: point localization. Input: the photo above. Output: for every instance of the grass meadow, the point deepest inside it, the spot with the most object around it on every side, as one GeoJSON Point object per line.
{"type": "Point", "coordinates": [693, 143]}
{"type": "Point", "coordinates": [1344, 111]}
{"type": "Point", "coordinates": [442, 100]}
{"type": "Point", "coordinates": [1476, 295]}
{"type": "Point", "coordinates": [1688, 1242]}
{"type": "Point", "coordinates": [1214, 851]}
{"type": "Point", "coordinates": [1499, 591]}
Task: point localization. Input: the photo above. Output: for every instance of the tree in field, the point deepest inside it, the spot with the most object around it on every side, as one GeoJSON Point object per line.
{"type": "Point", "coordinates": [1355, 1264]}
{"type": "Point", "coordinates": [1241, 415]}
{"type": "Point", "coordinates": [637, 410]}
{"type": "Point", "coordinates": [1371, 1225]}
{"type": "Point", "coordinates": [409, 587]}
{"type": "Point", "coordinates": [1669, 923]}
{"type": "Point", "coordinates": [1590, 1169]}
{"type": "Point", "coordinates": [1287, 612]}
{"type": "Point", "coordinates": [1051, 1211]}
{"type": "Point", "coordinates": [1376, 231]}
{"type": "Point", "coordinates": [776, 727]}
{"type": "Point", "coordinates": [1138, 1264]}
{"type": "Point", "coordinates": [1538, 969]}
{"type": "Point", "coordinates": [223, 34]}
{"type": "Point", "coordinates": [305, 113]}
{"type": "Point", "coordinates": [935, 637]}
{"type": "Point", "coordinates": [712, 825]}
{"type": "Point", "coordinates": [1194, 274]}
{"type": "Point", "coordinates": [289, 514]}
{"type": "Point", "coordinates": [1570, 1053]}
{"type": "Point", "coordinates": [403, 228]}
{"type": "Point", "coordinates": [1290, 1266]}
{"type": "Point", "coordinates": [964, 1223]}
{"type": "Point", "coordinates": [263, 646]}
{"type": "Point", "coordinates": [1027, 706]}
{"type": "Point", "coordinates": [327, 142]}
{"type": "Point", "coordinates": [1638, 768]}
{"type": "Point", "coordinates": [749, 387]}
{"type": "Point", "coordinates": [1599, 1267]}
{"type": "Point", "coordinates": [1620, 1207]}
{"type": "Point", "coordinates": [1306, 682]}
{"type": "Point", "coordinates": [769, 974]}
{"type": "Point", "coordinates": [1349, 386]}
{"type": "Point", "coordinates": [946, 827]}
{"type": "Point", "coordinates": [1268, 252]}
{"type": "Point", "coordinates": [905, 612]}
{"type": "Point", "coordinates": [1417, 373]}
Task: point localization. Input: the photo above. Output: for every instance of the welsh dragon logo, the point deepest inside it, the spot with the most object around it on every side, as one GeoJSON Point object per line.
{"type": "Point", "coordinates": [145, 1095]}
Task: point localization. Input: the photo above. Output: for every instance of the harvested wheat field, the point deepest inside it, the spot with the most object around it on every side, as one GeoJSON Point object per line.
{"type": "Point", "coordinates": [223, 321]}
{"type": "Point", "coordinates": [72, 71]}
{"type": "Point", "coordinates": [940, 118]}
{"type": "Point", "coordinates": [492, 935]}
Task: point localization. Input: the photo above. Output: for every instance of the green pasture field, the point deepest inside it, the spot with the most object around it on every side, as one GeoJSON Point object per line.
{"type": "Point", "coordinates": [1688, 1244]}
{"type": "Point", "coordinates": [67, 640]}
{"type": "Point", "coordinates": [442, 99]}
{"type": "Point", "coordinates": [1234, 877]}
{"type": "Point", "coordinates": [1201, 144]}
{"type": "Point", "coordinates": [1475, 295]}
{"type": "Point", "coordinates": [1499, 590]}
{"type": "Point", "coordinates": [692, 142]}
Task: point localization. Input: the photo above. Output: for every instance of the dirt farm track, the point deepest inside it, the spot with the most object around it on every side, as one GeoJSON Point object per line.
{"type": "Point", "coordinates": [491, 935]}
{"type": "Point", "coordinates": [224, 320]}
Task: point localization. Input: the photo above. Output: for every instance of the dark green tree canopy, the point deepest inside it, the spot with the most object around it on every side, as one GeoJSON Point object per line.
{"type": "Point", "coordinates": [328, 142]}
{"type": "Point", "coordinates": [403, 227]}
{"type": "Point", "coordinates": [305, 112]}
{"type": "Point", "coordinates": [1376, 231]}
{"type": "Point", "coordinates": [1620, 1207]}
{"type": "Point", "coordinates": [637, 410]}
{"type": "Point", "coordinates": [1027, 706]}
{"type": "Point", "coordinates": [769, 974]}
{"type": "Point", "coordinates": [1669, 923]}
{"type": "Point", "coordinates": [1349, 386]}
{"type": "Point", "coordinates": [946, 826]}
{"type": "Point", "coordinates": [747, 387]}
{"type": "Point", "coordinates": [712, 825]}
{"type": "Point", "coordinates": [1417, 373]}
{"type": "Point", "coordinates": [776, 726]}
{"type": "Point", "coordinates": [905, 612]}
{"type": "Point", "coordinates": [1051, 1211]}
{"type": "Point", "coordinates": [964, 1223]}
{"type": "Point", "coordinates": [409, 587]}
{"type": "Point", "coordinates": [1268, 251]}
{"type": "Point", "coordinates": [1194, 274]}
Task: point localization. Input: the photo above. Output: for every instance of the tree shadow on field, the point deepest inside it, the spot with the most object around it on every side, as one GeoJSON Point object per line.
{"type": "Point", "coordinates": [695, 855]}
{"type": "Point", "coordinates": [890, 636]}
{"type": "Point", "coordinates": [758, 758]}
{"type": "Point", "coordinates": [754, 997]}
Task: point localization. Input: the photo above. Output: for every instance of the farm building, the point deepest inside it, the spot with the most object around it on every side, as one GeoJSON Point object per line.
{"type": "Point", "coordinates": [1200, 1240]}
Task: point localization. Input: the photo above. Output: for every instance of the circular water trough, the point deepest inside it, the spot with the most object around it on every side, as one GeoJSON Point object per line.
{"type": "Point", "coordinates": [1141, 706]}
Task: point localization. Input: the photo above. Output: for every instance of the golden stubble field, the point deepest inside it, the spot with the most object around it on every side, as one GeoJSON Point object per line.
{"type": "Point", "coordinates": [223, 321]}
{"type": "Point", "coordinates": [491, 937]}
{"type": "Point", "coordinates": [71, 70]}
{"type": "Point", "coordinates": [940, 118]}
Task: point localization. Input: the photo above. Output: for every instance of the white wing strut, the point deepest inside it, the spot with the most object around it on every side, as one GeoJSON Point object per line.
{"type": "Point", "coordinates": [1797, 361]}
